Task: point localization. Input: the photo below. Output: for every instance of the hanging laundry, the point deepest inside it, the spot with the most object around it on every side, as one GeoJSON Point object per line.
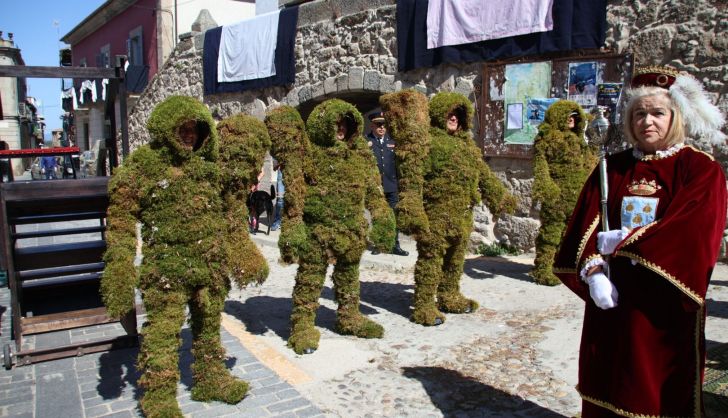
{"type": "Point", "coordinates": [284, 58]}
{"type": "Point", "coordinates": [68, 99]}
{"type": "Point", "coordinates": [454, 22]}
{"type": "Point", "coordinates": [104, 83]}
{"type": "Point", "coordinates": [577, 24]}
{"type": "Point", "coordinates": [247, 49]}
{"type": "Point", "coordinates": [90, 86]}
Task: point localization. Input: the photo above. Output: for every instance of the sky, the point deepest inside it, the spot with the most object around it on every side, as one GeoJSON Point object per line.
{"type": "Point", "coordinates": [37, 26]}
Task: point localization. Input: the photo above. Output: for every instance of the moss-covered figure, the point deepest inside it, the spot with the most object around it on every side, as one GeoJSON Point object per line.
{"type": "Point", "coordinates": [329, 182]}
{"type": "Point", "coordinates": [454, 177]}
{"type": "Point", "coordinates": [561, 164]}
{"type": "Point", "coordinates": [189, 194]}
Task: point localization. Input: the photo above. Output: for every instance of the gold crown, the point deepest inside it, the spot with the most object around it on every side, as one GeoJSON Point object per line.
{"type": "Point", "coordinates": [643, 187]}
{"type": "Point", "coordinates": [655, 69]}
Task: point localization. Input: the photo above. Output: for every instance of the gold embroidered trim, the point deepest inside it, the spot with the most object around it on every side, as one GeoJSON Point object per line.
{"type": "Point", "coordinates": [657, 269]}
{"type": "Point", "coordinates": [588, 259]}
{"type": "Point", "coordinates": [565, 270]}
{"type": "Point", "coordinates": [702, 152]}
{"type": "Point", "coordinates": [639, 233]}
{"type": "Point", "coordinates": [619, 411]}
{"type": "Point", "coordinates": [585, 238]}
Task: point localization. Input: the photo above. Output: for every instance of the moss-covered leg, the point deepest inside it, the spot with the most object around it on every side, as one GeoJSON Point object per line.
{"type": "Point", "coordinates": [428, 273]}
{"type": "Point", "coordinates": [158, 356]}
{"type": "Point", "coordinates": [547, 242]}
{"type": "Point", "coordinates": [349, 321]}
{"type": "Point", "coordinates": [449, 298]}
{"type": "Point", "coordinates": [310, 277]}
{"type": "Point", "coordinates": [212, 380]}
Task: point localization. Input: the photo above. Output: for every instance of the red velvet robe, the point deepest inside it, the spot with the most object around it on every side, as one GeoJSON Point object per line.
{"type": "Point", "coordinates": [646, 356]}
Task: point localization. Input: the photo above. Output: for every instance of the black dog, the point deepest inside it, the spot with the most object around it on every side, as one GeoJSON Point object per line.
{"type": "Point", "coordinates": [259, 202]}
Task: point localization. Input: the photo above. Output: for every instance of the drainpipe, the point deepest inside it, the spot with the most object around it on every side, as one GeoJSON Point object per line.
{"type": "Point", "coordinates": [175, 23]}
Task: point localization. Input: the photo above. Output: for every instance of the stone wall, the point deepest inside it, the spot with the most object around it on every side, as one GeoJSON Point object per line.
{"type": "Point", "coordinates": [348, 47]}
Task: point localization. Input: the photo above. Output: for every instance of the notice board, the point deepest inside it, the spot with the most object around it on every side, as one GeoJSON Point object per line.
{"type": "Point", "coordinates": [515, 94]}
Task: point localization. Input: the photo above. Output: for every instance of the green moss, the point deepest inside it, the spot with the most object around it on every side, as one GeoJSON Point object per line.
{"type": "Point", "coordinates": [407, 116]}
{"type": "Point", "coordinates": [497, 249]}
{"type": "Point", "coordinates": [454, 177]}
{"type": "Point", "coordinates": [291, 146]}
{"type": "Point", "coordinates": [333, 181]}
{"type": "Point", "coordinates": [213, 381]}
{"type": "Point", "coordinates": [562, 162]}
{"type": "Point", "coordinates": [191, 203]}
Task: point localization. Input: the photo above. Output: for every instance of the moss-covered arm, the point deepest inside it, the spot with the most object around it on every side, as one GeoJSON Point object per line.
{"type": "Point", "coordinates": [383, 232]}
{"type": "Point", "coordinates": [544, 188]}
{"type": "Point", "coordinates": [120, 276]}
{"type": "Point", "coordinates": [244, 141]}
{"type": "Point", "coordinates": [408, 122]}
{"type": "Point", "coordinates": [290, 146]}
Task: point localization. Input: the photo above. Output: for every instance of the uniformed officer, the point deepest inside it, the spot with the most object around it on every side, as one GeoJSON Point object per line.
{"type": "Point", "coordinates": [383, 148]}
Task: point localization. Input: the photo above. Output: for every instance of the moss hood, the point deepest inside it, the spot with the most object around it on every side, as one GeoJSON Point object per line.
{"type": "Point", "coordinates": [322, 123]}
{"type": "Point", "coordinates": [558, 113]}
{"type": "Point", "coordinates": [442, 104]}
{"type": "Point", "coordinates": [169, 115]}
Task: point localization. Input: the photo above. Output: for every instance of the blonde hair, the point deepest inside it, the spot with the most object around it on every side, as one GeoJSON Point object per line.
{"type": "Point", "coordinates": [676, 132]}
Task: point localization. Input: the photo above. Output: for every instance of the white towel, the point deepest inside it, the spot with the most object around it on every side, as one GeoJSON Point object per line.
{"type": "Point", "coordinates": [88, 85]}
{"type": "Point", "coordinates": [247, 49]}
{"type": "Point", "coordinates": [454, 22]}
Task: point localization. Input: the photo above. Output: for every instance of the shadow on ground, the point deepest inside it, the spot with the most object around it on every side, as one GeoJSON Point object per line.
{"type": "Point", "coordinates": [489, 267]}
{"type": "Point", "coordinates": [718, 309]}
{"type": "Point", "coordinates": [393, 297]}
{"type": "Point", "coordinates": [117, 369]}
{"type": "Point", "coordinates": [263, 313]}
{"type": "Point", "coordinates": [457, 395]}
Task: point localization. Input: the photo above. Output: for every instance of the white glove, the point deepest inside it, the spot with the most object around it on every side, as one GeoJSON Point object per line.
{"type": "Point", "coordinates": [608, 241]}
{"type": "Point", "coordinates": [602, 290]}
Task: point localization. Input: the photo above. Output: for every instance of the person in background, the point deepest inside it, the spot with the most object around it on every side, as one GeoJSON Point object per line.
{"type": "Point", "coordinates": [383, 147]}
{"type": "Point", "coordinates": [644, 281]}
{"type": "Point", "coordinates": [562, 162]}
{"type": "Point", "coordinates": [5, 166]}
{"type": "Point", "coordinates": [280, 191]}
{"type": "Point", "coordinates": [48, 164]}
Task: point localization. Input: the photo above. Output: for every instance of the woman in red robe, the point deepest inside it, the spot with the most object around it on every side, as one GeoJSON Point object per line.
{"type": "Point", "coordinates": [644, 282]}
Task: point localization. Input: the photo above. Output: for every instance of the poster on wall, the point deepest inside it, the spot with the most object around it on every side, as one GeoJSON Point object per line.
{"type": "Point", "coordinates": [608, 97]}
{"type": "Point", "coordinates": [536, 109]}
{"type": "Point", "coordinates": [583, 80]}
{"type": "Point", "coordinates": [524, 82]}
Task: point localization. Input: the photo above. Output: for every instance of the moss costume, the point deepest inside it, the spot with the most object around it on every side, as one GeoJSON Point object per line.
{"type": "Point", "coordinates": [561, 164]}
{"type": "Point", "coordinates": [329, 182]}
{"type": "Point", "coordinates": [190, 201]}
{"type": "Point", "coordinates": [441, 181]}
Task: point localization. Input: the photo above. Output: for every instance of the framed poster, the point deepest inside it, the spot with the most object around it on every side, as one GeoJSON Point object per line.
{"type": "Point", "coordinates": [536, 110]}
{"type": "Point", "coordinates": [524, 82]}
{"type": "Point", "coordinates": [583, 80]}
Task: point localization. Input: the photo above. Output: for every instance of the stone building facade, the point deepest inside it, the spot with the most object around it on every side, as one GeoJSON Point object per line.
{"type": "Point", "coordinates": [347, 49]}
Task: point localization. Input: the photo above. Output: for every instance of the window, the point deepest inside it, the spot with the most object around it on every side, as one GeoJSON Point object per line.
{"type": "Point", "coordinates": [135, 47]}
{"type": "Point", "coordinates": [104, 57]}
{"type": "Point", "coordinates": [82, 62]}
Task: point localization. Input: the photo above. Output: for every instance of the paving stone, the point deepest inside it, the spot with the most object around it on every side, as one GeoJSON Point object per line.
{"type": "Point", "coordinates": [309, 412]}
{"type": "Point", "coordinates": [288, 405]}
{"type": "Point", "coordinates": [97, 411]}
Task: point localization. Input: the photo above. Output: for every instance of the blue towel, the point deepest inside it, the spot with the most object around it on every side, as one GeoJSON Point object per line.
{"type": "Point", "coordinates": [578, 24]}
{"type": "Point", "coordinates": [285, 59]}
